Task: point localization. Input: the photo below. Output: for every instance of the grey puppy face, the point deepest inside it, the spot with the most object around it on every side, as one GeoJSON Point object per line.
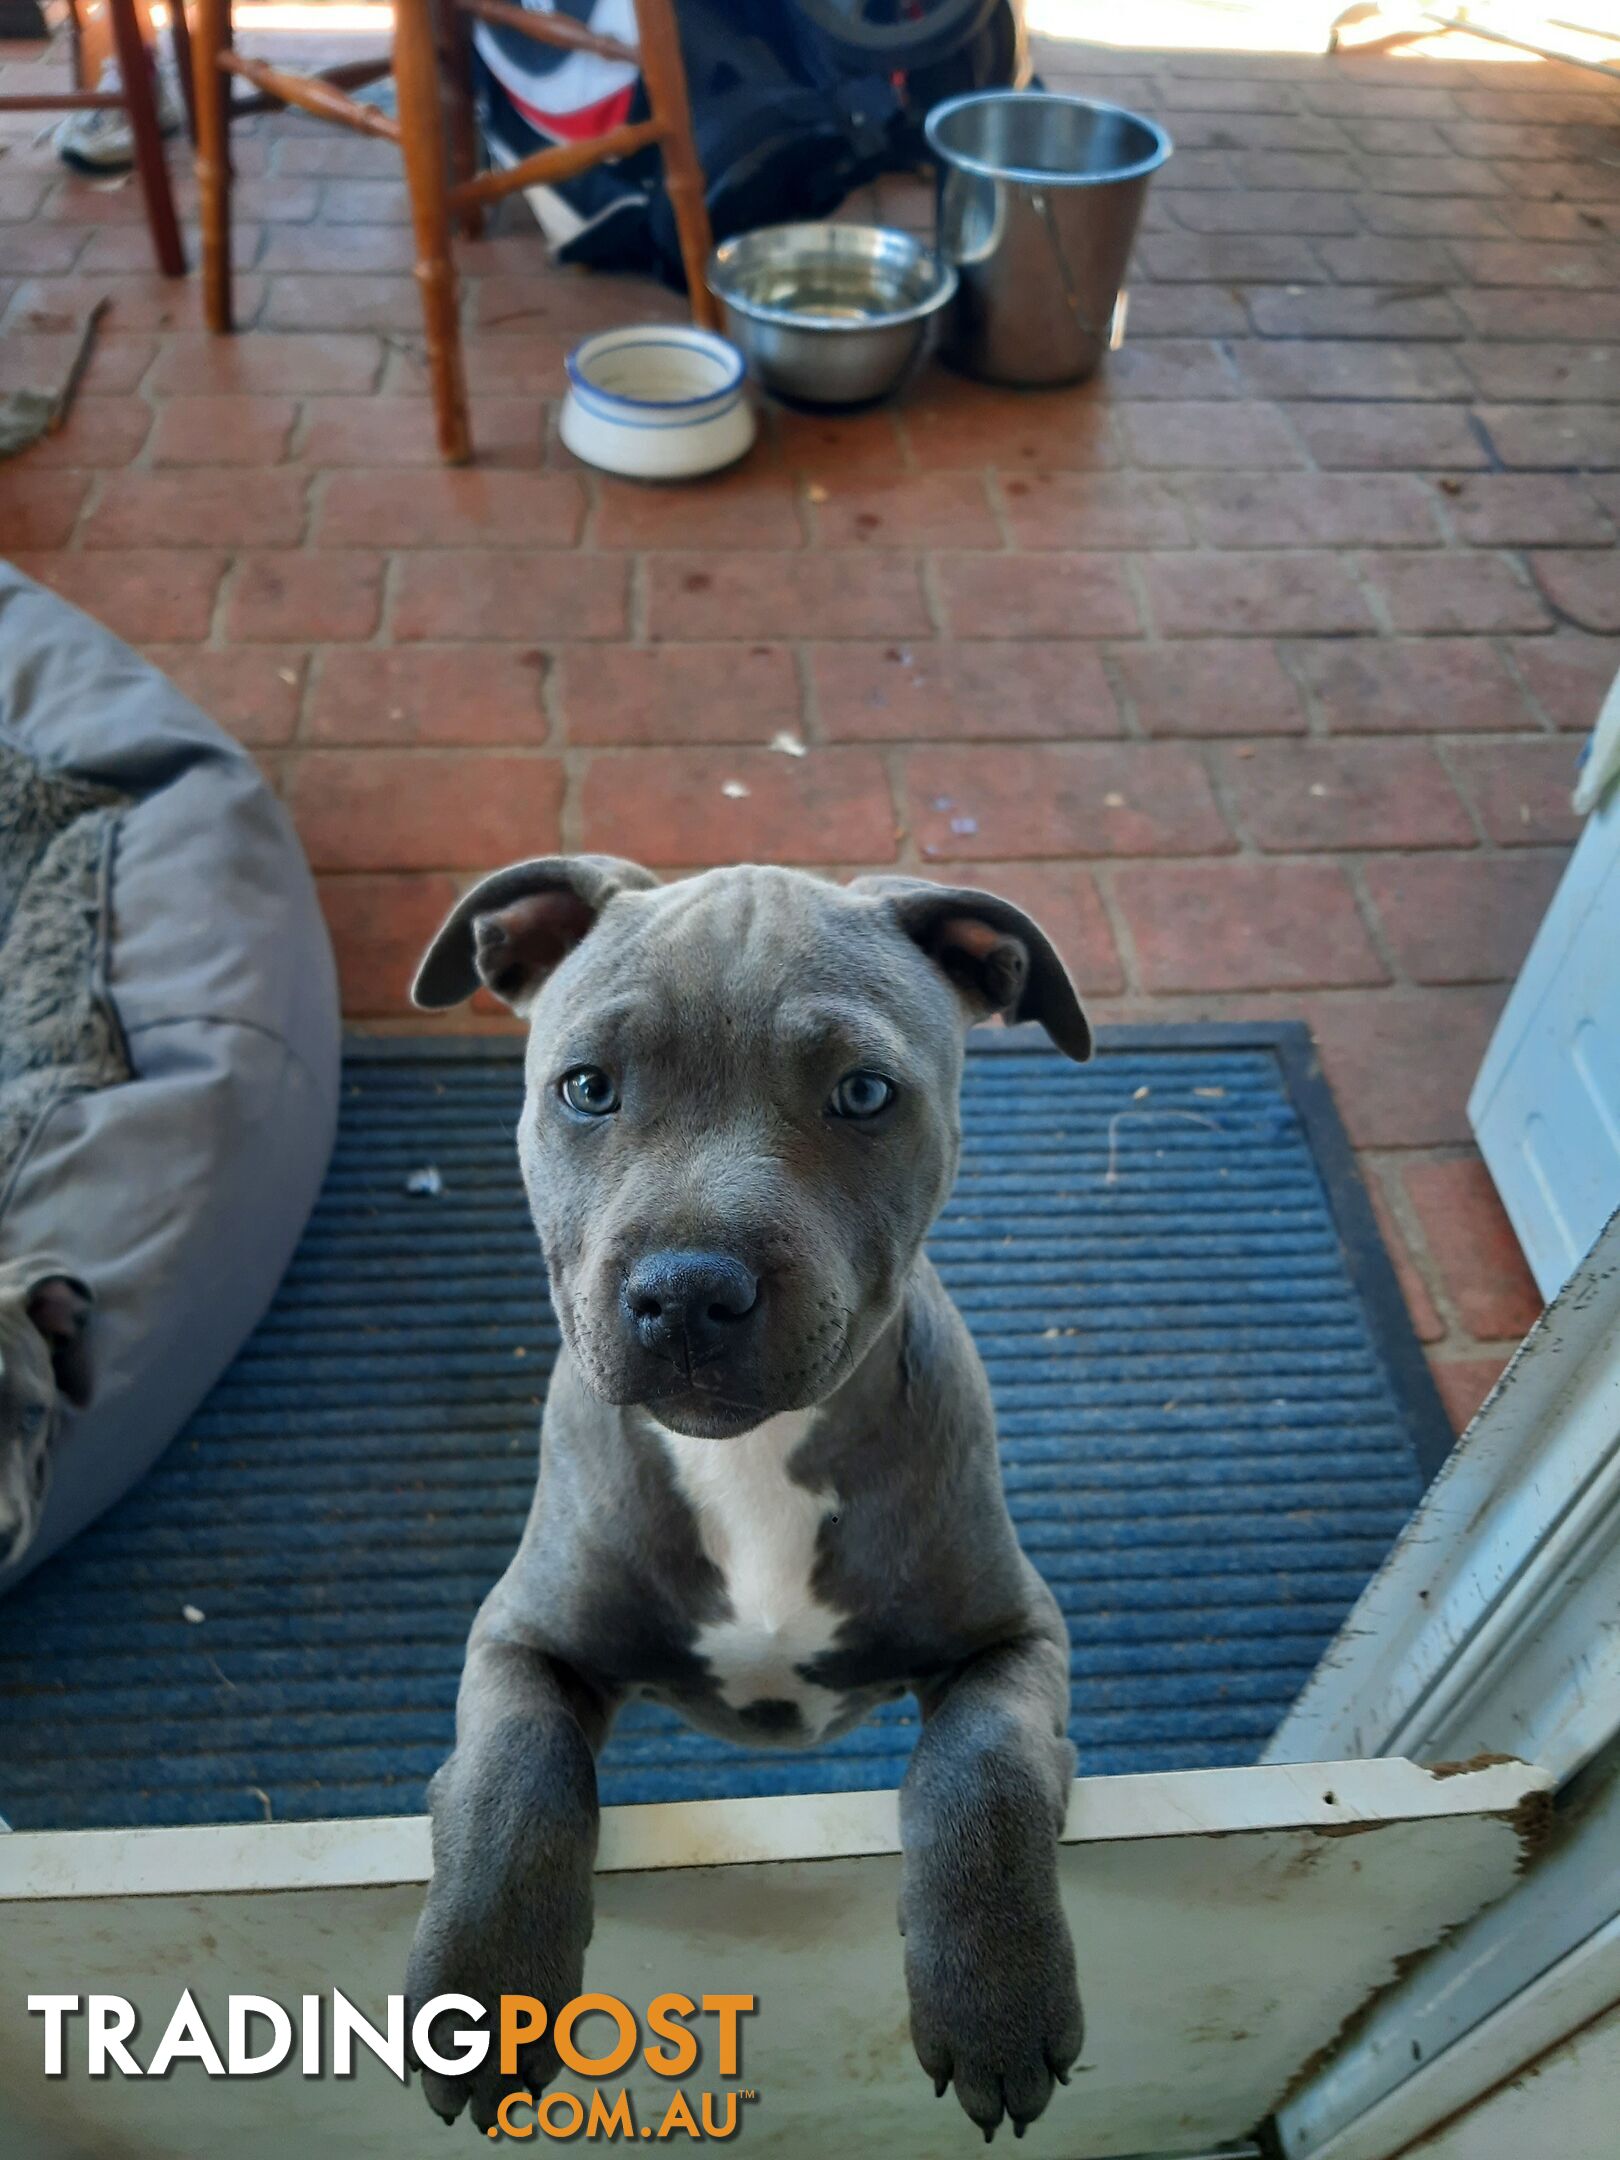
{"type": "Point", "coordinates": [741, 1108]}
{"type": "Point", "coordinates": [44, 1315]}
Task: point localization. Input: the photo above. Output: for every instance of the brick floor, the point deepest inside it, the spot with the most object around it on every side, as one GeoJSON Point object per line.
{"type": "Point", "coordinates": [1257, 667]}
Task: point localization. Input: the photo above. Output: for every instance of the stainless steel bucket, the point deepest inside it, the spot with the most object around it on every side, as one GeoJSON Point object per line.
{"type": "Point", "coordinates": [1039, 199]}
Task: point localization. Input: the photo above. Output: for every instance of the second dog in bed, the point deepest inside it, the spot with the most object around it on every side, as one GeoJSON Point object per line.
{"type": "Point", "coordinates": [769, 1491]}
{"type": "Point", "coordinates": [44, 1363]}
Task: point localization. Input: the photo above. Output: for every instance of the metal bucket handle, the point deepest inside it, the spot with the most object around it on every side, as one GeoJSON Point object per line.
{"type": "Point", "coordinates": [1043, 203]}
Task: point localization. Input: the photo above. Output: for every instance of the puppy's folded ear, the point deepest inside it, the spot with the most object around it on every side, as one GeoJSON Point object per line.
{"type": "Point", "coordinates": [998, 958]}
{"type": "Point", "coordinates": [512, 929]}
{"type": "Point", "coordinates": [59, 1306]}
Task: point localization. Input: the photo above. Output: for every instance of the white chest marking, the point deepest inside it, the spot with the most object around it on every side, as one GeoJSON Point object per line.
{"type": "Point", "coordinates": [759, 1527]}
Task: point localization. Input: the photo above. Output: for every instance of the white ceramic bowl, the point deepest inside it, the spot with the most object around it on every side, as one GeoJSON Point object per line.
{"type": "Point", "coordinates": [660, 401]}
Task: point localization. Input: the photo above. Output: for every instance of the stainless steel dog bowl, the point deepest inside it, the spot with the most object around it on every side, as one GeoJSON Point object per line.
{"type": "Point", "coordinates": [830, 314]}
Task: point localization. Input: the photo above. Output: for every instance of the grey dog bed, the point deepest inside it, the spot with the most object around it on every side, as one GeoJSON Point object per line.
{"type": "Point", "coordinates": [169, 1079]}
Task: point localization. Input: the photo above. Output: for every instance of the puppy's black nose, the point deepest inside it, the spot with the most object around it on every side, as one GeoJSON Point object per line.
{"type": "Point", "coordinates": [689, 1304]}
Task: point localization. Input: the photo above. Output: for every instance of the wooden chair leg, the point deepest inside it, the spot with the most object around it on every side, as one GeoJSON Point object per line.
{"type": "Point", "coordinates": [421, 136]}
{"type": "Point", "coordinates": [664, 73]}
{"type": "Point", "coordinates": [453, 33]}
{"type": "Point", "coordinates": [180, 40]}
{"type": "Point", "coordinates": [211, 87]}
{"type": "Point", "coordinates": [75, 24]}
{"type": "Point", "coordinates": [140, 97]}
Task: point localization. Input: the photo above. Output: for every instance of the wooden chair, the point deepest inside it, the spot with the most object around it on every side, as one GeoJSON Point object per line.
{"type": "Point", "coordinates": [430, 66]}
{"type": "Point", "coordinates": [137, 94]}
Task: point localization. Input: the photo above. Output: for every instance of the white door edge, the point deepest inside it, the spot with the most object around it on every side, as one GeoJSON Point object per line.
{"type": "Point", "coordinates": [1581, 1987]}
{"type": "Point", "coordinates": [1490, 1626]}
{"type": "Point", "coordinates": [1566, 1897]}
{"type": "Point", "coordinates": [372, 1851]}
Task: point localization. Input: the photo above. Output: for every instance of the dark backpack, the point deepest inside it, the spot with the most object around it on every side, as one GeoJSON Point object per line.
{"type": "Point", "coordinates": [786, 120]}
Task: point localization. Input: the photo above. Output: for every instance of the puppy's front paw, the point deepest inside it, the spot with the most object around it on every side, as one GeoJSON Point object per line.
{"type": "Point", "coordinates": [514, 1949]}
{"type": "Point", "coordinates": [995, 2009]}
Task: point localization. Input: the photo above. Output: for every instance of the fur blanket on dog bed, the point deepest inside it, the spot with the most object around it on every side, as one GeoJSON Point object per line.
{"type": "Point", "coordinates": [57, 1029]}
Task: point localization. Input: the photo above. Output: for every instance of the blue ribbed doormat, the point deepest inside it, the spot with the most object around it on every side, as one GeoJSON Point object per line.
{"type": "Point", "coordinates": [1214, 1419]}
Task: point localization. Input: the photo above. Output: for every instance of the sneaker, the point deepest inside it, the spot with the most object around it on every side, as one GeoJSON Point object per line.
{"type": "Point", "coordinates": [100, 139]}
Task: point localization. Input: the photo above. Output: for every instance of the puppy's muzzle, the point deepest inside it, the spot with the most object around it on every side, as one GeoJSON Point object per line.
{"type": "Point", "coordinates": [691, 1308]}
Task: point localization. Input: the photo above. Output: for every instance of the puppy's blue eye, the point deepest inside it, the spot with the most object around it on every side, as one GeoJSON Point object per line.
{"type": "Point", "coordinates": [589, 1090]}
{"type": "Point", "coordinates": [861, 1095]}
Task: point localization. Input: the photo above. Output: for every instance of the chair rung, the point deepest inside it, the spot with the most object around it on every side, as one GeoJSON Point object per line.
{"type": "Point", "coordinates": [311, 94]}
{"type": "Point", "coordinates": [65, 101]}
{"type": "Point", "coordinates": [550, 30]}
{"type": "Point", "coordinates": [348, 75]}
{"type": "Point", "coordinates": [559, 163]}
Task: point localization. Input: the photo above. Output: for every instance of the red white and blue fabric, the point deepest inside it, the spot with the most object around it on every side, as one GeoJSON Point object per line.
{"type": "Point", "coordinates": [566, 96]}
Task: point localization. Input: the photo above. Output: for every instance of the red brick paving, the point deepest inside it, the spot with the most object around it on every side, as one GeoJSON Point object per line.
{"type": "Point", "coordinates": [257, 695]}
{"type": "Point", "coordinates": [1245, 926]}
{"type": "Point", "coordinates": [436, 509]}
{"type": "Point", "coordinates": [296, 593]}
{"type": "Point", "coordinates": [1466, 1381]}
{"type": "Point", "coordinates": [147, 595]}
{"type": "Point", "coordinates": [1441, 592]}
{"type": "Point", "coordinates": [1519, 791]}
{"type": "Point", "coordinates": [1310, 798]}
{"type": "Point", "coordinates": [832, 594]}
{"type": "Point", "coordinates": [1481, 1269]}
{"type": "Point", "coordinates": [424, 809]}
{"type": "Point", "coordinates": [993, 689]}
{"type": "Point", "coordinates": [1526, 509]}
{"type": "Point", "coordinates": [1219, 686]}
{"type": "Point", "coordinates": [1567, 675]}
{"type": "Point", "coordinates": [1082, 800]}
{"type": "Point", "coordinates": [380, 926]}
{"type": "Point", "coordinates": [685, 693]}
{"type": "Point", "coordinates": [522, 594]}
{"type": "Point", "coordinates": [489, 696]}
{"type": "Point", "coordinates": [1460, 918]}
{"type": "Point", "coordinates": [230, 430]}
{"type": "Point", "coordinates": [1401, 1063]}
{"type": "Point", "coordinates": [1583, 584]}
{"type": "Point", "coordinates": [1036, 596]}
{"type": "Point", "coordinates": [1570, 438]}
{"type": "Point", "coordinates": [1257, 668]}
{"type": "Point", "coordinates": [42, 507]}
{"type": "Point", "coordinates": [1090, 510]}
{"type": "Point", "coordinates": [685, 808]}
{"type": "Point", "coordinates": [1384, 686]}
{"type": "Point", "coordinates": [1382, 437]}
{"type": "Point", "coordinates": [1425, 1314]}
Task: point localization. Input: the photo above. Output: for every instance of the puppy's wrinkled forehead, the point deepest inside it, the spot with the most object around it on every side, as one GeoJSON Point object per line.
{"type": "Point", "coordinates": [731, 947]}
{"type": "Point", "coordinates": [746, 960]}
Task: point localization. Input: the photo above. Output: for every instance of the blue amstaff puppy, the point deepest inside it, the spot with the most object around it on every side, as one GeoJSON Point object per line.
{"type": "Point", "coordinates": [769, 1492]}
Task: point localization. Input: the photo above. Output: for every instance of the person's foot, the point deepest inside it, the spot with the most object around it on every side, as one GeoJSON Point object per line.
{"type": "Point", "coordinates": [100, 139]}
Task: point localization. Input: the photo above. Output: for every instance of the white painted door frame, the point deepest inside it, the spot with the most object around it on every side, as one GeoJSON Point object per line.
{"type": "Point", "coordinates": [1229, 1921]}
{"type": "Point", "coordinates": [1494, 1624]}
{"type": "Point", "coordinates": [1480, 2010]}
{"type": "Point", "coordinates": [1493, 1629]}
